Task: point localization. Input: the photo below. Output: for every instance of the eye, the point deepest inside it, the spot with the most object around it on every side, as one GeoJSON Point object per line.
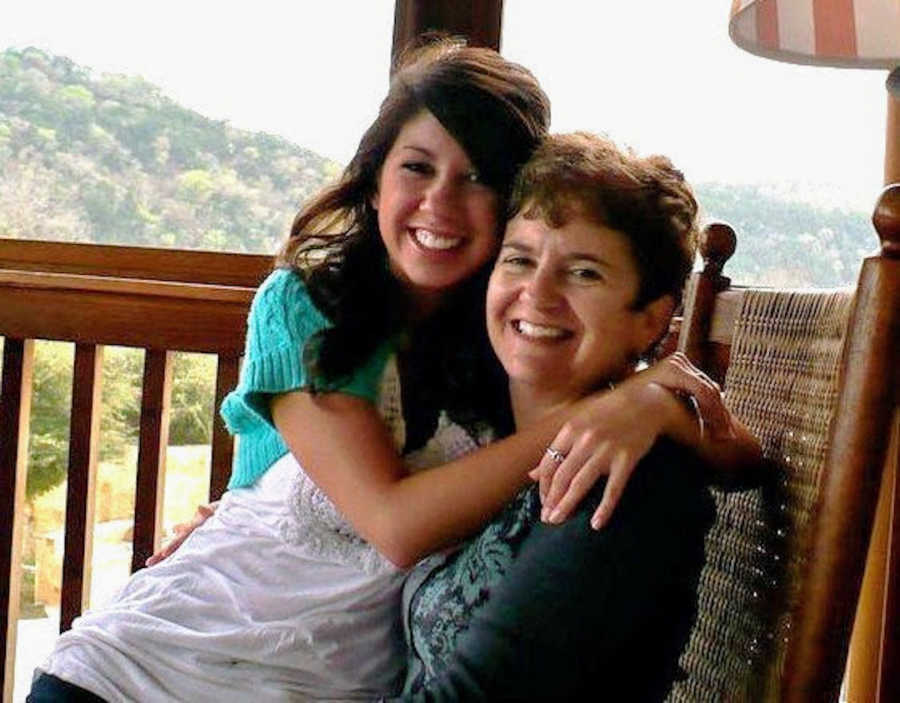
{"type": "Point", "coordinates": [586, 274]}
{"type": "Point", "coordinates": [517, 261]}
{"type": "Point", "coordinates": [420, 167]}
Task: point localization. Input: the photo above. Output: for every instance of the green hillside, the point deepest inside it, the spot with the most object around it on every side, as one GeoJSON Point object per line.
{"type": "Point", "coordinates": [787, 243]}
{"type": "Point", "coordinates": [110, 159]}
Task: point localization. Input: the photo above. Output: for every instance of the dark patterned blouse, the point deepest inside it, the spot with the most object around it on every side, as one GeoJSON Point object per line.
{"type": "Point", "coordinates": [528, 611]}
{"type": "Point", "coordinates": [444, 592]}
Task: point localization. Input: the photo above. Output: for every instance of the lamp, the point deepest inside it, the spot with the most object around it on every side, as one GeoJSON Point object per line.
{"type": "Point", "coordinates": [838, 33]}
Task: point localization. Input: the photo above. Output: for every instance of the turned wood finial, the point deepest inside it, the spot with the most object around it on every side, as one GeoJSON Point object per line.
{"type": "Point", "coordinates": [717, 244]}
{"type": "Point", "coordinates": [886, 219]}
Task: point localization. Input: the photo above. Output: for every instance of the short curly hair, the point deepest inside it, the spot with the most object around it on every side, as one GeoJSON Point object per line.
{"type": "Point", "coordinates": [645, 198]}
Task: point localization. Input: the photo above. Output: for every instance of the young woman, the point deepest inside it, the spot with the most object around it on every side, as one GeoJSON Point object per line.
{"type": "Point", "coordinates": [590, 269]}
{"type": "Point", "coordinates": [372, 323]}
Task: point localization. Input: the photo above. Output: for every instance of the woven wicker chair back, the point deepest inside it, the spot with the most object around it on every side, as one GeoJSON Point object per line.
{"type": "Point", "coordinates": [782, 383]}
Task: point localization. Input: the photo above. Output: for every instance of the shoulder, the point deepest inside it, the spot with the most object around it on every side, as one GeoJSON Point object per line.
{"type": "Point", "coordinates": [283, 312]}
{"type": "Point", "coordinates": [281, 282]}
{"type": "Point", "coordinates": [283, 291]}
{"type": "Point", "coordinates": [666, 499]}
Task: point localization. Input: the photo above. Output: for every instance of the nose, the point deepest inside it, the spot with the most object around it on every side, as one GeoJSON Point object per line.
{"type": "Point", "coordinates": [439, 197]}
{"type": "Point", "coordinates": [541, 289]}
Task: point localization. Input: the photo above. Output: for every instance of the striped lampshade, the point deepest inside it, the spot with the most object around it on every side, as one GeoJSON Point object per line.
{"type": "Point", "coordinates": [849, 33]}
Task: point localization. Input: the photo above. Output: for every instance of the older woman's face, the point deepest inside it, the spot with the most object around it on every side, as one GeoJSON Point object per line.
{"type": "Point", "coordinates": [559, 306]}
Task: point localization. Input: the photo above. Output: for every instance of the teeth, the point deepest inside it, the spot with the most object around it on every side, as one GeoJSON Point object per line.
{"type": "Point", "coordinates": [430, 240]}
{"type": "Point", "coordinates": [532, 330]}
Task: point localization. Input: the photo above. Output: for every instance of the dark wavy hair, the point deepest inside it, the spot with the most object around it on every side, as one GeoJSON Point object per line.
{"type": "Point", "coordinates": [498, 113]}
{"type": "Point", "coordinates": [645, 198]}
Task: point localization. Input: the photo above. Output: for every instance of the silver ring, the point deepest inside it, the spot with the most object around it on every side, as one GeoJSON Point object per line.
{"type": "Point", "coordinates": [555, 454]}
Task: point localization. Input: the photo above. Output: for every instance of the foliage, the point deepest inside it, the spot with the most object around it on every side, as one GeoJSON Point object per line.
{"type": "Point", "coordinates": [193, 393]}
{"type": "Point", "coordinates": [51, 399]}
{"type": "Point", "coordinates": [788, 243]}
{"type": "Point", "coordinates": [110, 159]}
{"type": "Point", "coordinates": [190, 420]}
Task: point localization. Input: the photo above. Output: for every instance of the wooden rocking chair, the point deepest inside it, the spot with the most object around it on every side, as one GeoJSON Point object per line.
{"type": "Point", "coordinates": [815, 376]}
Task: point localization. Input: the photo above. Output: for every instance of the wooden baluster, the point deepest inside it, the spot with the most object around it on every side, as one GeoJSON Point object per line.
{"type": "Point", "coordinates": [154, 437]}
{"type": "Point", "coordinates": [717, 244]}
{"type": "Point", "coordinates": [15, 415]}
{"type": "Point", "coordinates": [857, 450]}
{"type": "Point", "coordinates": [222, 444]}
{"type": "Point", "coordinates": [83, 443]}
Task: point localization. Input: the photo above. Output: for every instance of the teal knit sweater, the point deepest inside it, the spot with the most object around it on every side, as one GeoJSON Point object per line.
{"type": "Point", "coordinates": [282, 320]}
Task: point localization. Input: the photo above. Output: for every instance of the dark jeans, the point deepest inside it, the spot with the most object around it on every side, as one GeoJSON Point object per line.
{"type": "Point", "coordinates": [50, 689]}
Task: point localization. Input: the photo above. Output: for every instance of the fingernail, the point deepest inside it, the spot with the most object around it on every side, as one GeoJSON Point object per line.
{"type": "Point", "coordinates": [556, 516]}
{"type": "Point", "coordinates": [545, 513]}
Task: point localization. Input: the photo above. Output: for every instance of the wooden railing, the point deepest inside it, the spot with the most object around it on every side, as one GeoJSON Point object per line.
{"type": "Point", "coordinates": [160, 300]}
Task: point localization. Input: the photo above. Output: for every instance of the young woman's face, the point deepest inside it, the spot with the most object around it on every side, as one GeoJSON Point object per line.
{"type": "Point", "coordinates": [559, 306]}
{"type": "Point", "coordinates": [437, 219]}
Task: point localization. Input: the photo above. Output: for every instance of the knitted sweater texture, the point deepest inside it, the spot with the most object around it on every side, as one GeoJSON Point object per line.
{"type": "Point", "coordinates": [282, 320]}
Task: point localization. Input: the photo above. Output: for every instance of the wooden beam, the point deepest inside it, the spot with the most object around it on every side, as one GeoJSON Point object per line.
{"type": "Point", "coordinates": [94, 310]}
{"type": "Point", "coordinates": [477, 20]}
{"type": "Point", "coordinates": [187, 266]}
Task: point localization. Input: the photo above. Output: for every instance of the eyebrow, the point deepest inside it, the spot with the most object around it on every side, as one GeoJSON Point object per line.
{"type": "Point", "coordinates": [422, 150]}
{"type": "Point", "coordinates": [574, 256]}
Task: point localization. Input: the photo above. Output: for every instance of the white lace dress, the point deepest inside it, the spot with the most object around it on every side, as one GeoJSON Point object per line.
{"type": "Point", "coordinates": [274, 598]}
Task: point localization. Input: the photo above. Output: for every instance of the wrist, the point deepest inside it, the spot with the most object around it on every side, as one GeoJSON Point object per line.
{"type": "Point", "coordinates": [660, 405]}
{"type": "Point", "coordinates": [679, 415]}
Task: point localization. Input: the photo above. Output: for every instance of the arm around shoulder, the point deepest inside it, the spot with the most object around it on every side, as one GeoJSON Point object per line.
{"type": "Point", "coordinates": [346, 449]}
{"type": "Point", "coordinates": [584, 614]}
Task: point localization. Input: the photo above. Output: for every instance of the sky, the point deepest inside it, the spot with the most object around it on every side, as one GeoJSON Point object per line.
{"type": "Point", "coordinates": [658, 75]}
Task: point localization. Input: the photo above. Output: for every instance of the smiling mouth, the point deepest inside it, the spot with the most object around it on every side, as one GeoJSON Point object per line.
{"type": "Point", "coordinates": [529, 330]}
{"type": "Point", "coordinates": [436, 242]}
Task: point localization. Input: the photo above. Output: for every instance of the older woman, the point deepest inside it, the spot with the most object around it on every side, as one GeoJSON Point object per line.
{"type": "Point", "coordinates": [589, 272]}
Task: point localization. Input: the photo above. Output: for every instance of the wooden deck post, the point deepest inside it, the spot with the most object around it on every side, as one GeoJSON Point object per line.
{"type": "Point", "coordinates": [477, 20]}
